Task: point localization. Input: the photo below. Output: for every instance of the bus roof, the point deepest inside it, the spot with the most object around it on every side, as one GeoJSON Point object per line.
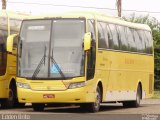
{"type": "Point", "coordinates": [15, 19]}
{"type": "Point", "coordinates": [95, 15]}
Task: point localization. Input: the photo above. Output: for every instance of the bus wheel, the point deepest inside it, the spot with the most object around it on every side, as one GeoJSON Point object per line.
{"type": "Point", "coordinates": [19, 105]}
{"type": "Point", "coordinates": [93, 107]}
{"type": "Point", "coordinates": [38, 106]}
{"type": "Point", "coordinates": [135, 103]}
{"type": "Point", "coordinates": [9, 102]}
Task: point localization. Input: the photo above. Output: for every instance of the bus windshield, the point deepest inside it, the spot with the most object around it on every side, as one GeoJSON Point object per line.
{"type": "Point", "coordinates": [42, 41]}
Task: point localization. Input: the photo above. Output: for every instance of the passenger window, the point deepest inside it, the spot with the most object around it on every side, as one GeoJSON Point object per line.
{"type": "Point", "coordinates": [142, 39]}
{"type": "Point", "coordinates": [110, 38]}
{"type": "Point", "coordinates": [101, 37]}
{"type": "Point", "coordinates": [122, 38]}
{"type": "Point", "coordinates": [149, 38]}
{"type": "Point", "coordinates": [105, 31]}
{"type": "Point", "coordinates": [131, 42]}
{"type": "Point", "coordinates": [137, 41]}
{"type": "Point", "coordinates": [91, 29]}
{"type": "Point", "coordinates": [113, 37]}
{"type": "Point", "coordinates": [92, 52]}
{"type": "Point", "coordinates": [3, 52]}
{"type": "Point", "coordinates": [146, 43]}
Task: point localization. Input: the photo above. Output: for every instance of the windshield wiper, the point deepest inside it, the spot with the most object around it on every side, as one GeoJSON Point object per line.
{"type": "Point", "coordinates": [38, 68]}
{"type": "Point", "coordinates": [57, 67]}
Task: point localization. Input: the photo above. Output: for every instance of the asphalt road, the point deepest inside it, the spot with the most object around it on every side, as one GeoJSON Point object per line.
{"type": "Point", "coordinates": [149, 110]}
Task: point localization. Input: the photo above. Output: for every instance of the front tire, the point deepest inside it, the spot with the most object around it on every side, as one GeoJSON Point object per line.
{"type": "Point", "coordinates": [9, 102]}
{"type": "Point", "coordinates": [38, 106]}
{"type": "Point", "coordinates": [93, 107]}
{"type": "Point", "coordinates": [19, 105]}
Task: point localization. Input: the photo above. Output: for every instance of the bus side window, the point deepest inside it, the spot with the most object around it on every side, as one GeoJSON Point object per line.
{"type": "Point", "coordinates": [150, 42]}
{"type": "Point", "coordinates": [92, 52]}
{"type": "Point", "coordinates": [105, 31]}
{"type": "Point", "coordinates": [113, 43]}
{"type": "Point", "coordinates": [141, 35]}
{"type": "Point", "coordinates": [101, 36]}
{"type": "Point", "coordinates": [137, 40]}
{"type": "Point", "coordinates": [149, 39]}
{"type": "Point", "coordinates": [146, 42]}
{"type": "Point", "coordinates": [131, 41]}
{"type": "Point", "coordinates": [110, 38]}
{"type": "Point", "coordinates": [91, 29]}
{"type": "Point", "coordinates": [3, 52]}
{"type": "Point", "coordinates": [122, 38]}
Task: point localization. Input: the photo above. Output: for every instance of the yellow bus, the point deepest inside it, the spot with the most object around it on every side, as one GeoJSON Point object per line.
{"type": "Point", "coordinates": [9, 24]}
{"type": "Point", "coordinates": [84, 59]}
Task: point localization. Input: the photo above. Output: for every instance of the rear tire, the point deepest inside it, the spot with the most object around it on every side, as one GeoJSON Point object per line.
{"type": "Point", "coordinates": [93, 107]}
{"type": "Point", "coordinates": [135, 103]}
{"type": "Point", "coordinates": [38, 106]}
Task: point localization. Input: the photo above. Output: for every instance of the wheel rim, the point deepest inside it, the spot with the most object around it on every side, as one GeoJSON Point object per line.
{"type": "Point", "coordinates": [98, 99]}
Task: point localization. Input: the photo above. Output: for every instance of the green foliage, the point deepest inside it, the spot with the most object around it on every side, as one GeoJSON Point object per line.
{"type": "Point", "coordinates": [155, 27]}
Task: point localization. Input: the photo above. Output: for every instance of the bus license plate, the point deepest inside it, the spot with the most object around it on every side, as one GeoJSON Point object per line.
{"type": "Point", "coordinates": [48, 96]}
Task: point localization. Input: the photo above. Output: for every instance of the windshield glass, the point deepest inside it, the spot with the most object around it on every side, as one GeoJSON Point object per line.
{"type": "Point", "coordinates": [67, 47]}
{"type": "Point", "coordinates": [34, 37]}
{"type": "Point", "coordinates": [51, 49]}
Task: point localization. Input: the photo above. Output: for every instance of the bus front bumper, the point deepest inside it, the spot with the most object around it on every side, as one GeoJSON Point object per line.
{"type": "Point", "coordinates": [77, 95]}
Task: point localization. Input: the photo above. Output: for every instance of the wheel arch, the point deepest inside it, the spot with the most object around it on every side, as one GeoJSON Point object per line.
{"type": "Point", "coordinates": [12, 82]}
{"type": "Point", "coordinates": [100, 84]}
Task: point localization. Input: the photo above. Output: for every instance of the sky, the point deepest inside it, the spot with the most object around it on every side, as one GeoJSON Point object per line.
{"type": "Point", "coordinates": [139, 5]}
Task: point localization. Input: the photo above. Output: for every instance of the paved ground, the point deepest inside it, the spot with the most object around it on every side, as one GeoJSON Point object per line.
{"type": "Point", "coordinates": [115, 111]}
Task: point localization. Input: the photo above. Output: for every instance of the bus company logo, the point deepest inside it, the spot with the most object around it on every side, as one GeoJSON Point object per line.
{"type": "Point", "coordinates": [149, 117]}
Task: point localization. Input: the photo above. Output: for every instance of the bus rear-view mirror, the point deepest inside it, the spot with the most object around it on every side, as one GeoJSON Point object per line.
{"type": "Point", "coordinates": [10, 41]}
{"type": "Point", "coordinates": [87, 41]}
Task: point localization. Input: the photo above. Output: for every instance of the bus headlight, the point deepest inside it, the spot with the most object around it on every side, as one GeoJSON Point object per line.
{"type": "Point", "coordinates": [23, 85]}
{"type": "Point", "coordinates": [77, 85]}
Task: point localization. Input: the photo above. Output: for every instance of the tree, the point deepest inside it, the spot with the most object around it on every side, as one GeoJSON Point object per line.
{"type": "Point", "coordinates": [155, 27]}
{"type": "Point", "coordinates": [119, 7]}
{"type": "Point", "coordinates": [4, 4]}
